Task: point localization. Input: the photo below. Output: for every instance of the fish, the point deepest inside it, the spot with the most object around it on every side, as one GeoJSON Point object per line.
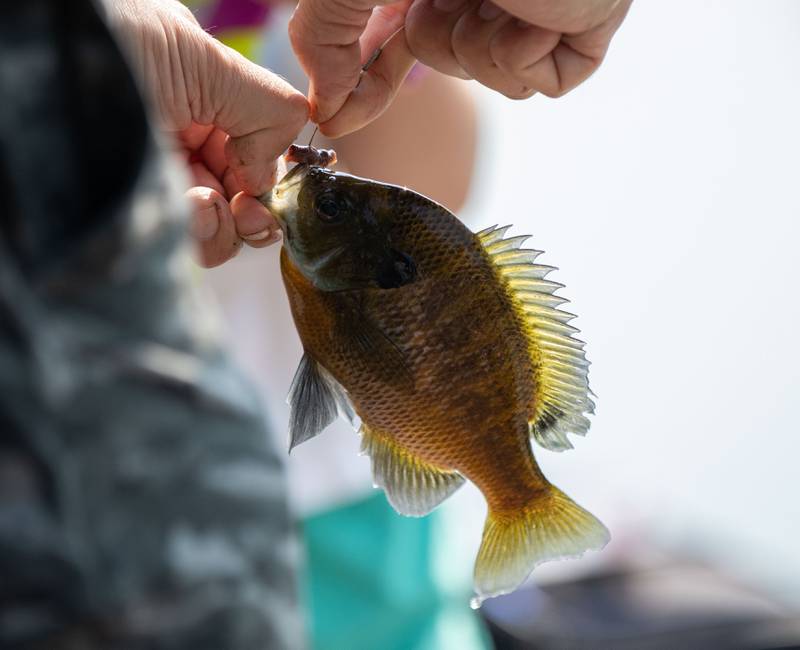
{"type": "Point", "coordinates": [451, 351]}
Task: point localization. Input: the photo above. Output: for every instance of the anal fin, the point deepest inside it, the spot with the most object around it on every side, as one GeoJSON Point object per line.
{"type": "Point", "coordinates": [412, 486]}
{"type": "Point", "coordinates": [315, 399]}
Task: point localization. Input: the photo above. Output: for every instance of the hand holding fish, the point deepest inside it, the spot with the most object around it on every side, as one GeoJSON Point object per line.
{"type": "Point", "coordinates": [232, 119]}
{"type": "Point", "coordinates": [517, 47]}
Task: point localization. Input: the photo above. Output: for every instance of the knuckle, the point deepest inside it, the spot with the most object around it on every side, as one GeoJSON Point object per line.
{"type": "Point", "coordinates": [519, 92]}
{"type": "Point", "coordinates": [204, 61]}
{"type": "Point", "coordinates": [296, 32]}
{"type": "Point", "coordinates": [416, 44]}
{"type": "Point", "coordinates": [503, 57]}
{"type": "Point", "coordinates": [555, 91]}
{"type": "Point", "coordinates": [185, 13]}
{"type": "Point", "coordinates": [423, 35]}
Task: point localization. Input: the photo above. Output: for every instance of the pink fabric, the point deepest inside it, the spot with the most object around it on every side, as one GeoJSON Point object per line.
{"type": "Point", "coordinates": [222, 15]}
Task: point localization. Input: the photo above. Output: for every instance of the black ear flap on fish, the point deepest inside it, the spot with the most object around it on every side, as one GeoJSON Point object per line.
{"type": "Point", "coordinates": [315, 399]}
{"type": "Point", "coordinates": [398, 271]}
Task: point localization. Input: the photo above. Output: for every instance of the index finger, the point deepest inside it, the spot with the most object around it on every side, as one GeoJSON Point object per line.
{"type": "Point", "coordinates": [325, 36]}
{"type": "Point", "coordinates": [262, 115]}
{"type": "Point", "coordinates": [333, 38]}
{"type": "Point", "coordinates": [376, 87]}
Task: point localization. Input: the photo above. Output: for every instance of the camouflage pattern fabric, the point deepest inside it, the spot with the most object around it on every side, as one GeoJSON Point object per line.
{"type": "Point", "coordinates": [141, 502]}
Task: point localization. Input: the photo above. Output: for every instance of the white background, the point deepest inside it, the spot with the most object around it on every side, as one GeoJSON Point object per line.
{"type": "Point", "coordinates": [667, 190]}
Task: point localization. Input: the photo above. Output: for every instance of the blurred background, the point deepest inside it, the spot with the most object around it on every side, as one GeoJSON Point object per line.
{"type": "Point", "coordinates": [666, 190]}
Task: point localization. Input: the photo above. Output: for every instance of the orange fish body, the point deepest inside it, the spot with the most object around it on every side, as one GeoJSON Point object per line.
{"type": "Point", "coordinates": [452, 357]}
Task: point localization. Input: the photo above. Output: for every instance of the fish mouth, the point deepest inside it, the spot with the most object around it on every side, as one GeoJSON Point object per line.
{"type": "Point", "coordinates": [281, 201]}
{"type": "Point", "coordinates": [295, 175]}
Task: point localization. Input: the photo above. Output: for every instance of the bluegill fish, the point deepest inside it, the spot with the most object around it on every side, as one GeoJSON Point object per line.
{"type": "Point", "coordinates": [451, 349]}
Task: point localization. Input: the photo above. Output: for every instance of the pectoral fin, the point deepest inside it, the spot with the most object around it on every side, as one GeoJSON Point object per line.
{"type": "Point", "coordinates": [315, 399]}
{"type": "Point", "coordinates": [371, 342]}
{"type": "Point", "coordinates": [412, 486]}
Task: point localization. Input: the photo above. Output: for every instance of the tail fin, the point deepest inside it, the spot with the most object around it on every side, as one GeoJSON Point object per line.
{"type": "Point", "coordinates": [552, 526]}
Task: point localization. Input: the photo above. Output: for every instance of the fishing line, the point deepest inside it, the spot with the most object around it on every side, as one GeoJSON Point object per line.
{"type": "Point", "coordinates": [374, 56]}
{"type": "Point", "coordinates": [311, 139]}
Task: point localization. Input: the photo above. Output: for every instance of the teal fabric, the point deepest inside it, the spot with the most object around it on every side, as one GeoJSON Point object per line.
{"type": "Point", "coordinates": [370, 583]}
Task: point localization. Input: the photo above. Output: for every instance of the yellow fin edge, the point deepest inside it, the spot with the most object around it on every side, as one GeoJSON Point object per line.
{"type": "Point", "coordinates": [551, 527]}
{"type": "Point", "coordinates": [561, 370]}
{"type": "Point", "coordinates": [412, 486]}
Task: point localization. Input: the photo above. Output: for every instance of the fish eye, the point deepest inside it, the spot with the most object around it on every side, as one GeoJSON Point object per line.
{"type": "Point", "coordinates": [328, 208]}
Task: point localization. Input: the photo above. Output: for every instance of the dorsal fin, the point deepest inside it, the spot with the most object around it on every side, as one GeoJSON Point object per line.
{"type": "Point", "coordinates": [492, 233]}
{"type": "Point", "coordinates": [561, 369]}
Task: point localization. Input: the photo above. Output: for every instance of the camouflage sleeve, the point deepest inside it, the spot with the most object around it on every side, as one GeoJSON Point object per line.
{"type": "Point", "coordinates": [141, 503]}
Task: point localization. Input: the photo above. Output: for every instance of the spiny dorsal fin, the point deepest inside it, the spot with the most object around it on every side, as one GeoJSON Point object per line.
{"type": "Point", "coordinates": [492, 233]}
{"type": "Point", "coordinates": [412, 486]}
{"type": "Point", "coordinates": [315, 397]}
{"type": "Point", "coordinates": [563, 395]}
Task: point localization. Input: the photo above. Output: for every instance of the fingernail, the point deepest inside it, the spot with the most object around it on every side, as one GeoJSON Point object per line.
{"type": "Point", "coordinates": [205, 223]}
{"type": "Point", "coordinates": [258, 236]}
{"type": "Point", "coordinates": [489, 10]}
{"type": "Point", "coordinates": [447, 5]}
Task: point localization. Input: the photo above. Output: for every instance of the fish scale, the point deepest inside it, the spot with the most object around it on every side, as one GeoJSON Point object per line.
{"type": "Point", "coordinates": [452, 350]}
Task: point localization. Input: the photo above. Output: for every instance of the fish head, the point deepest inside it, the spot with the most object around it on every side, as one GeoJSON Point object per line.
{"type": "Point", "coordinates": [337, 229]}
